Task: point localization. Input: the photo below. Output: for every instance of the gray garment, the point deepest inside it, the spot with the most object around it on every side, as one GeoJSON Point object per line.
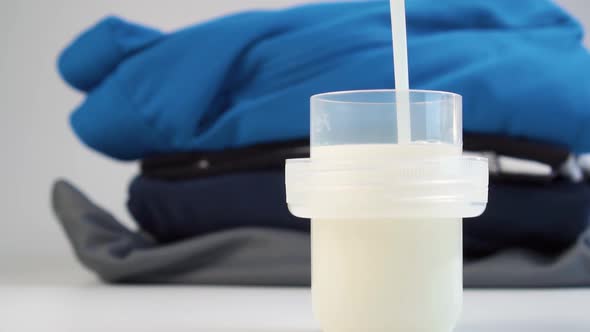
{"type": "Point", "coordinates": [255, 256]}
{"type": "Point", "coordinates": [240, 257]}
{"type": "Point", "coordinates": [522, 268]}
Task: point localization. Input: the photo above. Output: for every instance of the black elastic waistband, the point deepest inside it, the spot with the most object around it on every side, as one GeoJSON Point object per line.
{"type": "Point", "coordinates": [272, 156]}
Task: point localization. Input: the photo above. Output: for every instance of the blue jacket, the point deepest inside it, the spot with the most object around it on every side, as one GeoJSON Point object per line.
{"type": "Point", "coordinates": [247, 78]}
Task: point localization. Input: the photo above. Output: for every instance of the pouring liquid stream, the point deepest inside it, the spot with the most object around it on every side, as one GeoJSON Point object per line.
{"type": "Point", "coordinates": [402, 81]}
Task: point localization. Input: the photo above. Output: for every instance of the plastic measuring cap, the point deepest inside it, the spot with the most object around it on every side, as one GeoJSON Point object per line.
{"type": "Point", "coordinates": [357, 169]}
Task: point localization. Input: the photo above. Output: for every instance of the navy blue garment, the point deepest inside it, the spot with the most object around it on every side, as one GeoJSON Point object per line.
{"type": "Point", "coordinates": [247, 78]}
{"type": "Point", "coordinates": [544, 218]}
{"type": "Point", "coordinates": [176, 210]}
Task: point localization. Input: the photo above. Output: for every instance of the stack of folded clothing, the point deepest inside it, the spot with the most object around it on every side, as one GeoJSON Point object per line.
{"type": "Point", "coordinates": [212, 112]}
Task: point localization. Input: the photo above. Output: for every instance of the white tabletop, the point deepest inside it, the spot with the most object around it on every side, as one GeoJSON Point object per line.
{"type": "Point", "coordinates": [91, 306]}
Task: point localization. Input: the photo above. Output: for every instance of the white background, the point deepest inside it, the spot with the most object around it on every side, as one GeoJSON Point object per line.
{"type": "Point", "coordinates": [36, 143]}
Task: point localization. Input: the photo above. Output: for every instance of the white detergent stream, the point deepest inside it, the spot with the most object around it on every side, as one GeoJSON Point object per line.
{"type": "Point", "coordinates": [388, 275]}
{"type": "Point", "coordinates": [402, 80]}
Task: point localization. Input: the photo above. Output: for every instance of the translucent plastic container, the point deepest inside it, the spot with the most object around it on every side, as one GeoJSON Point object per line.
{"type": "Point", "coordinates": [386, 217]}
